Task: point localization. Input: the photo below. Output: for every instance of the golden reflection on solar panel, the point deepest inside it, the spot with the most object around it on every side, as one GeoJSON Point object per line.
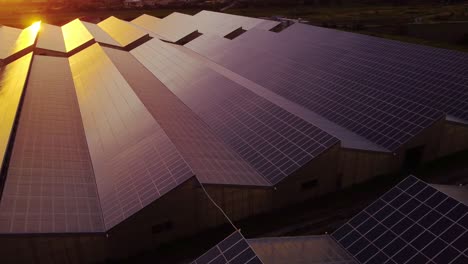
{"type": "Point", "coordinates": [75, 34]}
{"type": "Point", "coordinates": [51, 38]}
{"type": "Point", "coordinates": [123, 32]}
{"type": "Point", "coordinates": [14, 40]}
{"type": "Point", "coordinates": [12, 80]}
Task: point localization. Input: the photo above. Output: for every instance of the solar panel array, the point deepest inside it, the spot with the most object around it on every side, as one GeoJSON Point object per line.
{"type": "Point", "coordinates": [412, 223]}
{"type": "Point", "coordinates": [172, 28]}
{"type": "Point", "coordinates": [134, 161]}
{"type": "Point", "coordinates": [234, 249]}
{"type": "Point", "coordinates": [50, 186]}
{"type": "Point", "coordinates": [12, 81]}
{"type": "Point", "coordinates": [209, 157]}
{"type": "Point", "coordinates": [16, 40]}
{"type": "Point", "coordinates": [121, 31]}
{"type": "Point", "coordinates": [301, 249]}
{"type": "Point", "coordinates": [272, 140]}
{"type": "Point", "coordinates": [315, 78]}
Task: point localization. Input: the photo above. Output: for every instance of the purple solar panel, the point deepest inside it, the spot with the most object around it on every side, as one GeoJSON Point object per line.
{"type": "Point", "coordinates": [50, 186]}
{"type": "Point", "coordinates": [411, 223]}
{"type": "Point", "coordinates": [272, 140]}
{"type": "Point", "coordinates": [209, 157]}
{"type": "Point", "coordinates": [333, 83]}
{"type": "Point", "coordinates": [134, 161]}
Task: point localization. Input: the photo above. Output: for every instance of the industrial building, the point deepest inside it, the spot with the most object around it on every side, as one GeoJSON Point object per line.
{"type": "Point", "coordinates": [414, 222]}
{"type": "Point", "coordinates": [118, 136]}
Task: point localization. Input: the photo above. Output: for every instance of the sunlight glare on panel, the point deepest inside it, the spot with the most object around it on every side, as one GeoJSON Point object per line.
{"type": "Point", "coordinates": [75, 34]}
{"type": "Point", "coordinates": [12, 80]}
{"type": "Point", "coordinates": [27, 37]}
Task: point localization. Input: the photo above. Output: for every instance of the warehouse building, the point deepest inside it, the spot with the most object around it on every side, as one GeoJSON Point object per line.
{"type": "Point", "coordinates": [414, 222]}
{"type": "Point", "coordinates": [109, 127]}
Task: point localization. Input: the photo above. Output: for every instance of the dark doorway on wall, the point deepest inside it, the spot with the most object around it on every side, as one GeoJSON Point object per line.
{"type": "Point", "coordinates": [413, 158]}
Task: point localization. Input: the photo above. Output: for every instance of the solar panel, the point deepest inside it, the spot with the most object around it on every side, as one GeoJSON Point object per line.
{"type": "Point", "coordinates": [8, 35]}
{"type": "Point", "coordinates": [121, 31]}
{"type": "Point", "coordinates": [272, 140]}
{"type": "Point", "coordinates": [12, 81]}
{"type": "Point", "coordinates": [134, 161]}
{"type": "Point", "coordinates": [171, 28]}
{"type": "Point", "coordinates": [222, 24]}
{"type": "Point", "coordinates": [234, 249]}
{"type": "Point", "coordinates": [75, 34]}
{"type": "Point", "coordinates": [301, 249]}
{"type": "Point", "coordinates": [100, 35]}
{"type": "Point", "coordinates": [16, 40]}
{"type": "Point", "coordinates": [209, 157]}
{"type": "Point", "coordinates": [309, 77]}
{"type": "Point", "coordinates": [50, 186]}
{"type": "Point", "coordinates": [411, 223]}
{"type": "Point", "coordinates": [51, 38]}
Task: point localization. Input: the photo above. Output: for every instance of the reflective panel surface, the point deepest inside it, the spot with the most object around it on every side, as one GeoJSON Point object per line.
{"type": "Point", "coordinates": [51, 38]}
{"type": "Point", "coordinates": [12, 81]}
{"type": "Point", "coordinates": [14, 40]}
{"type": "Point", "coordinates": [99, 35]}
{"type": "Point", "coordinates": [75, 34]}
{"type": "Point", "coordinates": [121, 31]}
{"type": "Point", "coordinates": [411, 223]}
{"type": "Point", "coordinates": [171, 28]}
{"type": "Point", "coordinates": [50, 186]}
{"type": "Point", "coordinates": [134, 161]}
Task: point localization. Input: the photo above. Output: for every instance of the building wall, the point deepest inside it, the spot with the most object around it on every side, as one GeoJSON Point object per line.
{"type": "Point", "coordinates": [316, 178]}
{"type": "Point", "coordinates": [356, 166]}
{"type": "Point", "coordinates": [454, 138]}
{"type": "Point", "coordinates": [66, 249]}
{"type": "Point", "coordinates": [429, 139]}
{"type": "Point", "coordinates": [172, 216]}
{"type": "Point", "coordinates": [239, 202]}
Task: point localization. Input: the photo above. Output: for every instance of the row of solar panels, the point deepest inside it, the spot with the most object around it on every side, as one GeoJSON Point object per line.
{"type": "Point", "coordinates": [156, 116]}
{"type": "Point", "coordinates": [413, 223]}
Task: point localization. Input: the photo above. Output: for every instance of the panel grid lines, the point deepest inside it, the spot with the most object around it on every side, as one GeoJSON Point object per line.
{"type": "Point", "coordinates": [404, 215]}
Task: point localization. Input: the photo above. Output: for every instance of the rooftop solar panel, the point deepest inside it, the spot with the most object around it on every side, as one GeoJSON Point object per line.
{"type": "Point", "coordinates": [347, 138]}
{"type": "Point", "coordinates": [75, 34]}
{"type": "Point", "coordinates": [50, 186]}
{"type": "Point", "coordinates": [12, 81]}
{"type": "Point", "coordinates": [411, 223]}
{"type": "Point", "coordinates": [100, 35]}
{"type": "Point", "coordinates": [222, 24]}
{"type": "Point", "coordinates": [302, 249]}
{"type": "Point", "coordinates": [8, 35]}
{"type": "Point", "coordinates": [310, 78]}
{"type": "Point", "coordinates": [272, 140]}
{"type": "Point", "coordinates": [51, 38]}
{"type": "Point", "coordinates": [171, 28]}
{"type": "Point", "coordinates": [234, 249]}
{"type": "Point", "coordinates": [134, 161]}
{"type": "Point", "coordinates": [121, 31]}
{"type": "Point", "coordinates": [15, 40]}
{"type": "Point", "coordinates": [210, 158]}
